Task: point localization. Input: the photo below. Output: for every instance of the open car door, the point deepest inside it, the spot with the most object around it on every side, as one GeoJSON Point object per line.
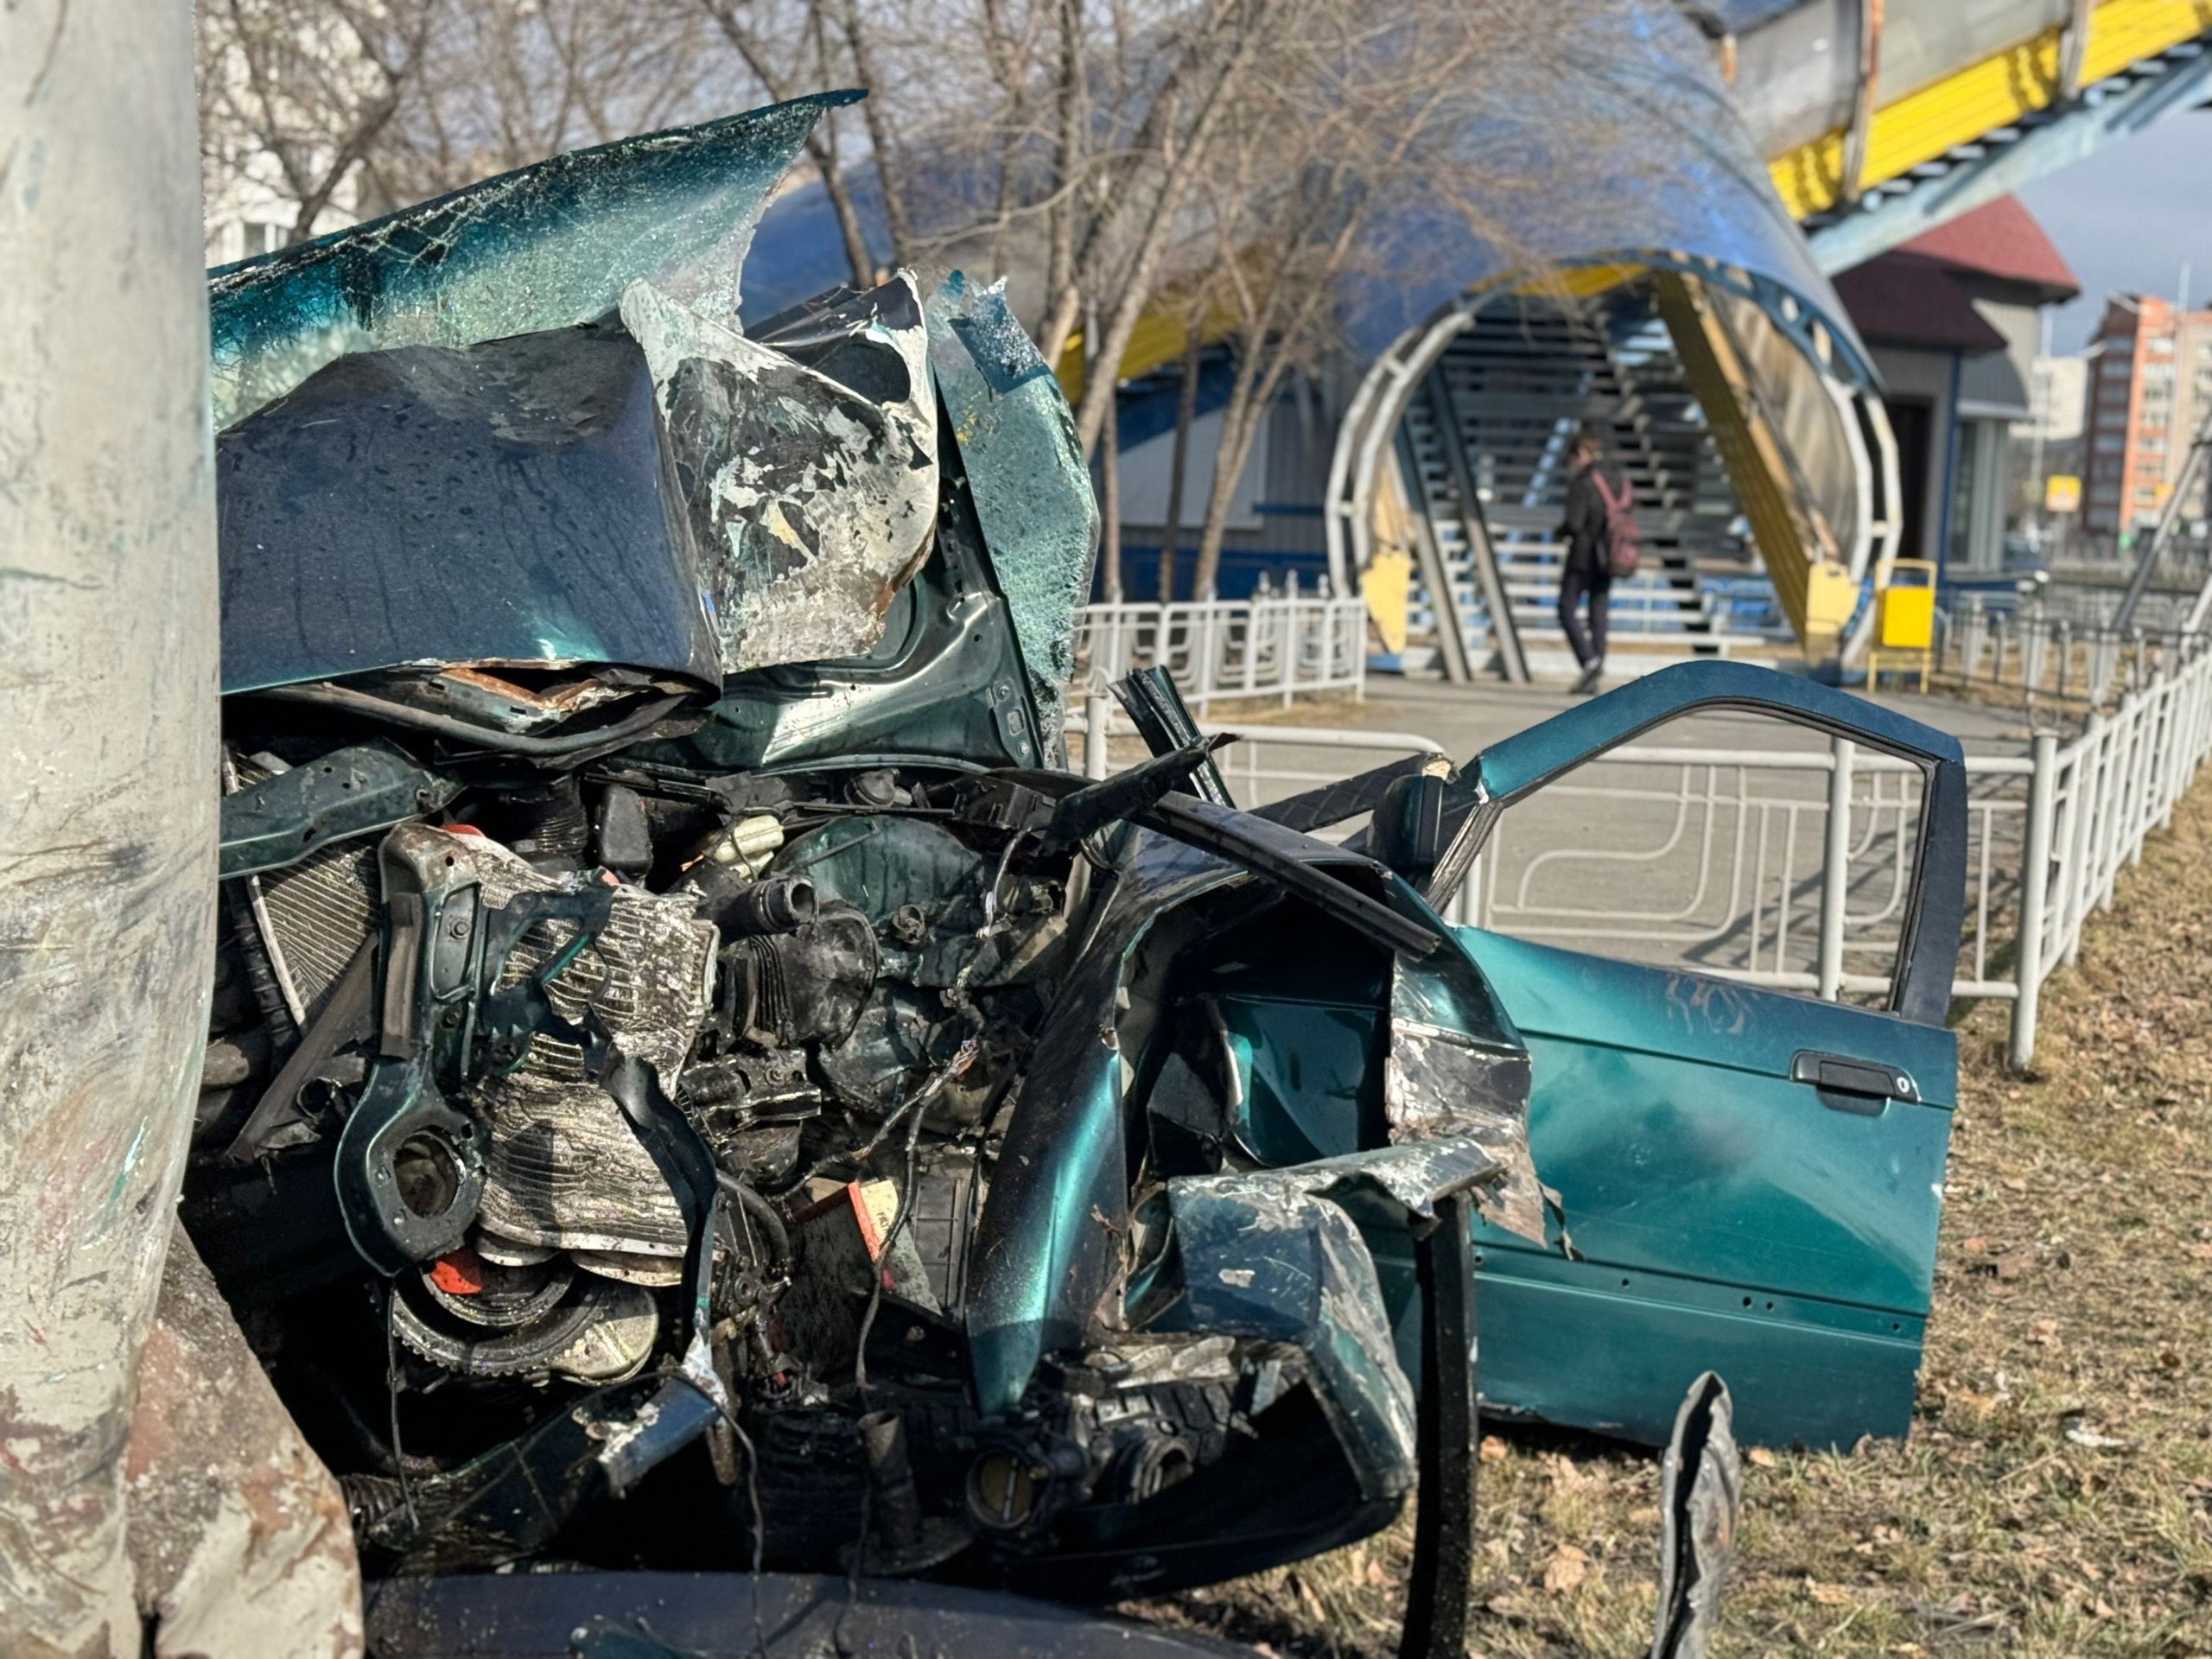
{"type": "Point", "coordinates": [1749, 1181]}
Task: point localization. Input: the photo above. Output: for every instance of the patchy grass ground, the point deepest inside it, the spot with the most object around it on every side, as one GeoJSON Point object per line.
{"type": "Point", "coordinates": [2054, 1498]}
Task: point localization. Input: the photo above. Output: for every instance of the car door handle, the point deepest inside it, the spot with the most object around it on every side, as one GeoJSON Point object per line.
{"type": "Point", "coordinates": [1852, 1085]}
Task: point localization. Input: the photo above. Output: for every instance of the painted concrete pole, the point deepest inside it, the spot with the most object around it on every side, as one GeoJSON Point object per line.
{"type": "Point", "coordinates": [107, 770]}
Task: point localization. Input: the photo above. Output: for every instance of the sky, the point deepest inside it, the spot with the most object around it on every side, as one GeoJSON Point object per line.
{"type": "Point", "coordinates": [2128, 217]}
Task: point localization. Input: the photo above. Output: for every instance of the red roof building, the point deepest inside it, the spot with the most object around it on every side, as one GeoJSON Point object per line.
{"type": "Point", "coordinates": [1952, 319]}
{"type": "Point", "coordinates": [2000, 240]}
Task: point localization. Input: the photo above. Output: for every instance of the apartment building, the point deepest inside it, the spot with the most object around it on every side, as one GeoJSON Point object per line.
{"type": "Point", "coordinates": [2150, 390]}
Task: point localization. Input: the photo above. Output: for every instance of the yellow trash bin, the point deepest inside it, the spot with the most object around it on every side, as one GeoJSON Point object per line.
{"type": "Point", "coordinates": [1905, 611]}
{"type": "Point", "coordinates": [1904, 620]}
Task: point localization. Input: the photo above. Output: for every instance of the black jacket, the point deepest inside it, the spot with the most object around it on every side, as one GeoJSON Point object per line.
{"type": "Point", "coordinates": [1582, 527]}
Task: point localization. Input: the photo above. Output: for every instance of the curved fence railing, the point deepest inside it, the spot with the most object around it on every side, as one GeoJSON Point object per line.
{"type": "Point", "coordinates": [1269, 645]}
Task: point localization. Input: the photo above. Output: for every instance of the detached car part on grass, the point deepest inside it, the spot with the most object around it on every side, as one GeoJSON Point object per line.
{"type": "Point", "coordinates": [696, 1082]}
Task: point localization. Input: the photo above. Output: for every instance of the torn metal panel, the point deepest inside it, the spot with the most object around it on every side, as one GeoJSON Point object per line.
{"type": "Point", "coordinates": [1441, 1082]}
{"type": "Point", "coordinates": [1263, 1258]}
{"type": "Point", "coordinates": [809, 504]}
{"type": "Point", "coordinates": [1436, 1084]}
{"type": "Point", "coordinates": [1048, 1245]}
{"type": "Point", "coordinates": [1026, 476]}
{"type": "Point", "coordinates": [547, 246]}
{"type": "Point", "coordinates": [279, 819]}
{"type": "Point", "coordinates": [1701, 1489]}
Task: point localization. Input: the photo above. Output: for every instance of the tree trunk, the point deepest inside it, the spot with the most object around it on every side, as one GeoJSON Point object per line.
{"type": "Point", "coordinates": [824, 156]}
{"type": "Point", "coordinates": [1144, 269]}
{"type": "Point", "coordinates": [1052, 338]}
{"type": "Point", "coordinates": [1109, 497]}
{"type": "Point", "coordinates": [1067, 144]}
{"type": "Point", "coordinates": [1187, 411]}
{"type": "Point", "coordinates": [821, 143]}
{"type": "Point", "coordinates": [107, 840]}
{"type": "Point", "coordinates": [874, 112]}
{"type": "Point", "coordinates": [1239, 424]}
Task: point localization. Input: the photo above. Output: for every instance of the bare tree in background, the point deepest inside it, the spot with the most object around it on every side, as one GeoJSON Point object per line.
{"type": "Point", "coordinates": [365, 105]}
{"type": "Point", "coordinates": [1358, 115]}
{"type": "Point", "coordinates": [1355, 116]}
{"type": "Point", "coordinates": [510, 82]}
{"type": "Point", "coordinates": [306, 89]}
{"type": "Point", "coordinates": [792, 46]}
{"type": "Point", "coordinates": [1151, 149]}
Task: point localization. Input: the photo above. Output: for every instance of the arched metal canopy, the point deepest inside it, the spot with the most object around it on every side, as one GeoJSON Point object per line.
{"type": "Point", "coordinates": [1637, 158]}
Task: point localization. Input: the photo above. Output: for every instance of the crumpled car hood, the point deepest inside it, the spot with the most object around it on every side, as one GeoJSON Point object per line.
{"type": "Point", "coordinates": [521, 427]}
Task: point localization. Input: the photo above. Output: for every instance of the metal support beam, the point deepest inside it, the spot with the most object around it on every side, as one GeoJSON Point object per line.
{"type": "Point", "coordinates": [1756, 467]}
{"type": "Point", "coordinates": [1863, 100]}
{"type": "Point", "coordinates": [2035, 886]}
{"type": "Point", "coordinates": [2115, 110]}
{"type": "Point", "coordinates": [1504, 632]}
{"type": "Point", "coordinates": [2074, 50]}
{"type": "Point", "coordinates": [1435, 576]}
{"type": "Point", "coordinates": [1835, 869]}
{"type": "Point", "coordinates": [2169, 517]}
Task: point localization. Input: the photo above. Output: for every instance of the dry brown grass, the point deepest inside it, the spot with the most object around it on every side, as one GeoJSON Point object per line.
{"type": "Point", "coordinates": [2073, 1308]}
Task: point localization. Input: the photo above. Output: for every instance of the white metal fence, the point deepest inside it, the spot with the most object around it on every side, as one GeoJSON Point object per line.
{"type": "Point", "coordinates": [1790, 868]}
{"type": "Point", "coordinates": [1269, 645]}
{"type": "Point", "coordinates": [2052, 646]}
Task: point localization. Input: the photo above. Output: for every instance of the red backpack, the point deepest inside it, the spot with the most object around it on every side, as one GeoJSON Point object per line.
{"type": "Point", "coordinates": [1623, 541]}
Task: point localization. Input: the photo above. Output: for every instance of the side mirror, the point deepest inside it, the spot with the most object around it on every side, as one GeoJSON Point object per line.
{"type": "Point", "coordinates": [1408, 832]}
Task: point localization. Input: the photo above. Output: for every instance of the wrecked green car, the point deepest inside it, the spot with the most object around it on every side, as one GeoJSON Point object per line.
{"type": "Point", "coordinates": [696, 1081]}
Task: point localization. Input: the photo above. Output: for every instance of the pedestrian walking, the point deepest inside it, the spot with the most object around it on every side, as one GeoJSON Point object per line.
{"type": "Point", "coordinates": [1600, 532]}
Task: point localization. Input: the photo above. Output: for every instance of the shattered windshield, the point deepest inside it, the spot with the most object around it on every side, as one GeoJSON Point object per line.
{"type": "Point", "coordinates": [547, 246]}
{"type": "Point", "coordinates": [1026, 474]}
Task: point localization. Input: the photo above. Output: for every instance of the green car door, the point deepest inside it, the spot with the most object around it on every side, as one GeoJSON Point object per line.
{"type": "Point", "coordinates": [1749, 1181]}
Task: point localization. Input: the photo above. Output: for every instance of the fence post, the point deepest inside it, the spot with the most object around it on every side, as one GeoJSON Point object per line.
{"type": "Point", "coordinates": [2034, 886]}
{"type": "Point", "coordinates": [1353, 618]}
{"type": "Point", "coordinates": [2119, 793]}
{"type": "Point", "coordinates": [1835, 870]}
{"type": "Point", "coordinates": [1097, 713]}
{"type": "Point", "coordinates": [2065, 836]}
